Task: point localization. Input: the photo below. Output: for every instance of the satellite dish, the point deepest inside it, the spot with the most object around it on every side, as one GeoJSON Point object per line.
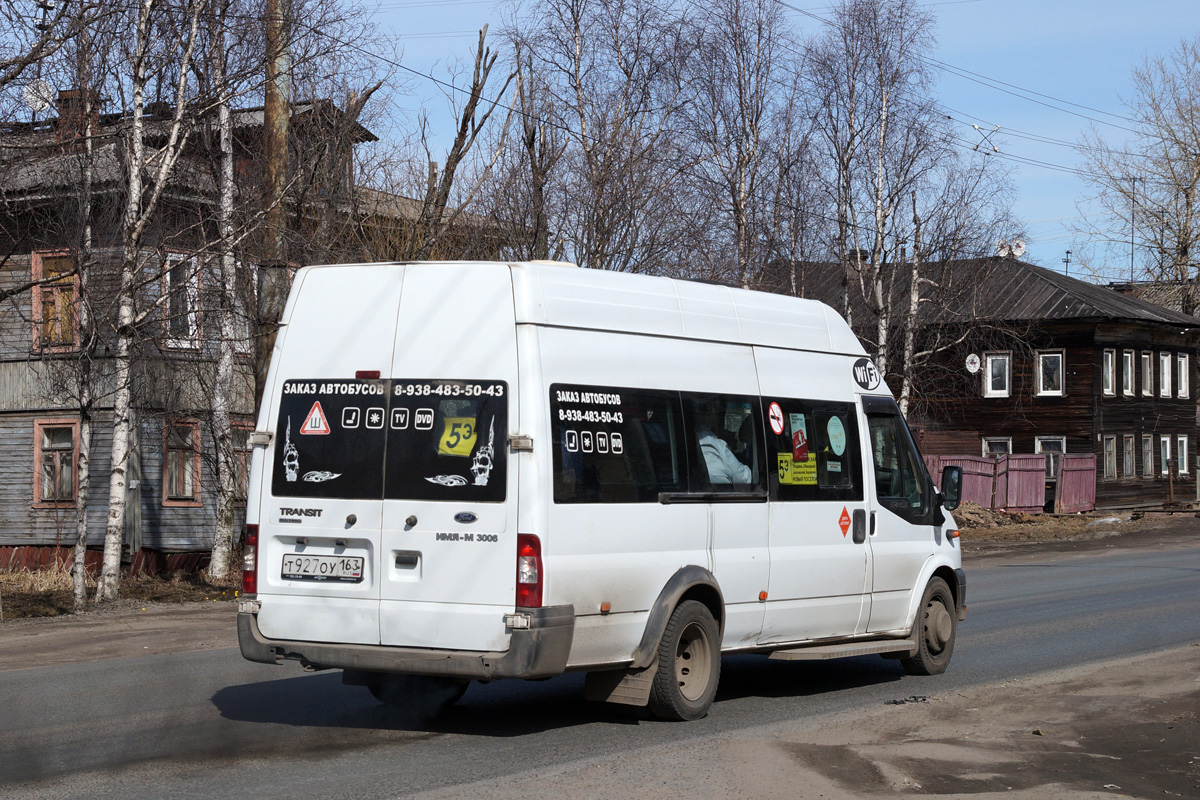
{"type": "Point", "coordinates": [1018, 248]}
{"type": "Point", "coordinates": [1002, 249]}
{"type": "Point", "coordinates": [38, 95]}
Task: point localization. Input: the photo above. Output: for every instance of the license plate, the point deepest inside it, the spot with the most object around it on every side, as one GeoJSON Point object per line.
{"type": "Point", "coordinates": [341, 569]}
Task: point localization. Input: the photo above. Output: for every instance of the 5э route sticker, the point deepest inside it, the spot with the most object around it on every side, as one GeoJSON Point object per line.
{"type": "Point", "coordinates": [775, 415]}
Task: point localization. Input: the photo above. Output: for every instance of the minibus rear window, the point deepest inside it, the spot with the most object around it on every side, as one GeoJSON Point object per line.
{"type": "Point", "coordinates": [329, 439]}
{"type": "Point", "coordinates": [615, 445]}
{"type": "Point", "coordinates": [447, 440]}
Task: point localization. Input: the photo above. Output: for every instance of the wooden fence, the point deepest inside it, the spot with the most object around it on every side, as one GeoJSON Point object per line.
{"type": "Point", "coordinates": [1018, 482]}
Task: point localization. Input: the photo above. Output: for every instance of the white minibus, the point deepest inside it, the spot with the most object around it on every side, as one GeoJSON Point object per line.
{"type": "Point", "coordinates": [471, 471]}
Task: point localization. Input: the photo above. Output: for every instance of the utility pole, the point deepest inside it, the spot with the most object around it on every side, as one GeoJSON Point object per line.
{"type": "Point", "coordinates": [1132, 206]}
{"type": "Point", "coordinates": [272, 268]}
{"type": "Point", "coordinates": [1067, 261]}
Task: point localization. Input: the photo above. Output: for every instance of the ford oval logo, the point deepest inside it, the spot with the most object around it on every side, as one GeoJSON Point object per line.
{"type": "Point", "coordinates": [465, 517]}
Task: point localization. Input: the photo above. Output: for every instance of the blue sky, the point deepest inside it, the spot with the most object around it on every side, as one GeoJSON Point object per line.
{"type": "Point", "coordinates": [1070, 51]}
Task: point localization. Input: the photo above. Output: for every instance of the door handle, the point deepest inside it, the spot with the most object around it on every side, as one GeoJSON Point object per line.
{"type": "Point", "coordinates": [859, 525]}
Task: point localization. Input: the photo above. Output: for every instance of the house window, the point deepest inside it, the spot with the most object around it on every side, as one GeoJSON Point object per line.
{"type": "Point", "coordinates": [1147, 375]}
{"type": "Point", "coordinates": [1164, 454]}
{"type": "Point", "coordinates": [1181, 366]}
{"type": "Point", "coordinates": [1164, 374]}
{"type": "Point", "coordinates": [1053, 447]}
{"type": "Point", "coordinates": [1110, 457]}
{"type": "Point", "coordinates": [1181, 453]}
{"type": "Point", "coordinates": [997, 374]}
{"type": "Point", "coordinates": [1110, 372]}
{"type": "Point", "coordinates": [181, 309]}
{"type": "Point", "coordinates": [1050, 374]}
{"type": "Point", "coordinates": [1127, 373]}
{"type": "Point", "coordinates": [1147, 456]}
{"type": "Point", "coordinates": [1128, 466]}
{"type": "Point", "coordinates": [55, 325]}
{"type": "Point", "coordinates": [55, 445]}
{"type": "Point", "coordinates": [181, 464]}
{"type": "Point", "coordinates": [997, 446]}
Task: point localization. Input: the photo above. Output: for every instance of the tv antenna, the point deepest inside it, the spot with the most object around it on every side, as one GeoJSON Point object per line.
{"type": "Point", "coordinates": [1013, 249]}
{"type": "Point", "coordinates": [38, 95]}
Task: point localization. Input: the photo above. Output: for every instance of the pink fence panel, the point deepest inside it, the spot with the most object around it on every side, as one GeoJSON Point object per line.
{"type": "Point", "coordinates": [978, 477]}
{"type": "Point", "coordinates": [1076, 489]}
{"type": "Point", "coordinates": [1021, 483]}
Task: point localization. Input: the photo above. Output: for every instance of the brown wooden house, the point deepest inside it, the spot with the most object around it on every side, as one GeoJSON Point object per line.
{"type": "Point", "coordinates": [1051, 364]}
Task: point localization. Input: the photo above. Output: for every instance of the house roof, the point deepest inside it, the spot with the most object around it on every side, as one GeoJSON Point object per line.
{"type": "Point", "coordinates": [1004, 290]}
{"type": "Point", "coordinates": [1019, 291]}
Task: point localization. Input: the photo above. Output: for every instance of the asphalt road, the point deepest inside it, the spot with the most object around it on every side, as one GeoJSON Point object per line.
{"type": "Point", "coordinates": [210, 724]}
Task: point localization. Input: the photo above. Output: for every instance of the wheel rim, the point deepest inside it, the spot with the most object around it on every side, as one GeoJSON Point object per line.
{"type": "Point", "coordinates": [939, 626]}
{"type": "Point", "coordinates": [693, 662]}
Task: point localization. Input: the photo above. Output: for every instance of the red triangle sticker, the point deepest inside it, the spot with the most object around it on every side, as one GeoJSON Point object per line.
{"type": "Point", "coordinates": [315, 422]}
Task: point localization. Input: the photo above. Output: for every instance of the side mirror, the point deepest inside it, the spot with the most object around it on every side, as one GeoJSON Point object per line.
{"type": "Point", "coordinates": [951, 487]}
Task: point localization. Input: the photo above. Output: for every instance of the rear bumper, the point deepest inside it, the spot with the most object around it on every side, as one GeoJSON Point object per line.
{"type": "Point", "coordinates": [540, 651]}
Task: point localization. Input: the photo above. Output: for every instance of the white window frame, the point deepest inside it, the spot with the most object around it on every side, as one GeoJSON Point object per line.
{"type": "Point", "coordinates": [1110, 457]}
{"type": "Point", "coordinates": [1181, 453]}
{"type": "Point", "coordinates": [1183, 368]}
{"type": "Point", "coordinates": [1006, 358]}
{"type": "Point", "coordinates": [1061, 355]}
{"type": "Point", "coordinates": [1007, 440]}
{"type": "Point", "coordinates": [1164, 454]}
{"type": "Point", "coordinates": [1147, 375]}
{"type": "Point", "coordinates": [1127, 378]}
{"type": "Point", "coordinates": [1164, 374]}
{"type": "Point", "coordinates": [191, 291]}
{"type": "Point", "coordinates": [1147, 455]}
{"type": "Point", "coordinates": [1128, 457]}
{"type": "Point", "coordinates": [1038, 447]}
{"type": "Point", "coordinates": [1109, 370]}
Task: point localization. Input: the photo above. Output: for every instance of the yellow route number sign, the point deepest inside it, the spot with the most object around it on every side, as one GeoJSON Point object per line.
{"type": "Point", "coordinates": [458, 437]}
{"type": "Point", "coordinates": [797, 473]}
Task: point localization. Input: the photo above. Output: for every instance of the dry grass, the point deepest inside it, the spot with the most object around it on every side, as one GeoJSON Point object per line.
{"type": "Point", "coordinates": [50, 592]}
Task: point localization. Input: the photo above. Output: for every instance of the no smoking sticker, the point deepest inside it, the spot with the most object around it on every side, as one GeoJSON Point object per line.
{"type": "Point", "coordinates": [775, 415]}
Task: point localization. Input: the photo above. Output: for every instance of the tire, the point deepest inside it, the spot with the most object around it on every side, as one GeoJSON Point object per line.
{"type": "Point", "coordinates": [689, 664]}
{"type": "Point", "coordinates": [422, 697]}
{"type": "Point", "coordinates": [934, 630]}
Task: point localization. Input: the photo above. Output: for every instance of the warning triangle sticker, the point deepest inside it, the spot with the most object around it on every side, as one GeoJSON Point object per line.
{"type": "Point", "coordinates": [315, 422]}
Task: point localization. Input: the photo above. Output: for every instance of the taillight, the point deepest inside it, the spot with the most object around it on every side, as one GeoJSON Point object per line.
{"type": "Point", "coordinates": [529, 571]}
{"type": "Point", "coordinates": [250, 561]}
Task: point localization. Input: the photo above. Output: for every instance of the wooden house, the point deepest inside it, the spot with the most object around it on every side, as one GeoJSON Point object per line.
{"type": "Point", "coordinates": [173, 469]}
{"type": "Point", "coordinates": [1045, 363]}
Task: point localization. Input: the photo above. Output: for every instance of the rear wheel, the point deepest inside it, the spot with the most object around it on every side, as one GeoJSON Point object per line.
{"type": "Point", "coordinates": [934, 631]}
{"type": "Point", "coordinates": [689, 664]}
{"type": "Point", "coordinates": [422, 696]}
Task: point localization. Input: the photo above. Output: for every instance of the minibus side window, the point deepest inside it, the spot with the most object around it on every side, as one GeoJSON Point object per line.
{"type": "Point", "coordinates": [615, 445]}
{"type": "Point", "coordinates": [815, 454]}
{"type": "Point", "coordinates": [723, 442]}
{"type": "Point", "coordinates": [900, 478]}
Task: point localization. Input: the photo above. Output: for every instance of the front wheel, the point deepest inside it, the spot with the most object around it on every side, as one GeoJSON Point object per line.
{"type": "Point", "coordinates": [934, 631]}
{"type": "Point", "coordinates": [689, 664]}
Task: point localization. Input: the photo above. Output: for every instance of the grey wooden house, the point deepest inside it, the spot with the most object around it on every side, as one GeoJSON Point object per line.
{"type": "Point", "coordinates": [172, 468]}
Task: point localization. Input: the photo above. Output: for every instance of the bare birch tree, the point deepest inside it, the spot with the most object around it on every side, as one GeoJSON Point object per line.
{"type": "Point", "coordinates": [147, 173]}
{"type": "Point", "coordinates": [1151, 182]}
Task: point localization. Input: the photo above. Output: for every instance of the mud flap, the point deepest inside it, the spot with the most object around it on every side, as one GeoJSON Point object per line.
{"type": "Point", "coordinates": [628, 687]}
